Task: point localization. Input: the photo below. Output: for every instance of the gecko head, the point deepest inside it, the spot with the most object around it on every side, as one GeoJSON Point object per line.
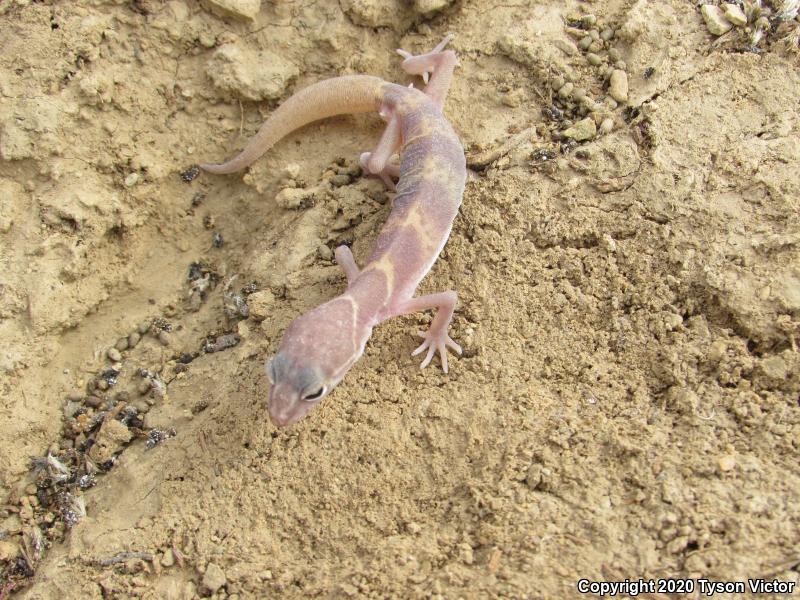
{"type": "Point", "coordinates": [316, 351]}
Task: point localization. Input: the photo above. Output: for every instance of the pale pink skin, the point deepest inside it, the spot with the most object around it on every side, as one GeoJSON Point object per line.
{"type": "Point", "coordinates": [320, 346]}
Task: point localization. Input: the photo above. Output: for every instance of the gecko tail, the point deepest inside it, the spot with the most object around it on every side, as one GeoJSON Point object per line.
{"type": "Point", "coordinates": [327, 98]}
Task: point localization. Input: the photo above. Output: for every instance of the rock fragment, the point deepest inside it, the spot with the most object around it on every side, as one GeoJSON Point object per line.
{"type": "Point", "coordinates": [585, 129]}
{"type": "Point", "coordinates": [734, 15]}
{"type": "Point", "coordinates": [262, 304]}
{"type": "Point", "coordinates": [238, 9]}
{"type": "Point", "coordinates": [15, 144]}
{"type": "Point", "coordinates": [775, 367]}
{"type": "Point", "coordinates": [112, 436]}
{"type": "Point", "coordinates": [214, 578]}
{"type": "Point", "coordinates": [618, 85]}
{"type": "Point", "coordinates": [715, 19]}
{"type": "Point", "coordinates": [249, 74]}
{"type": "Point", "coordinates": [427, 8]}
{"type": "Point", "coordinates": [607, 125]}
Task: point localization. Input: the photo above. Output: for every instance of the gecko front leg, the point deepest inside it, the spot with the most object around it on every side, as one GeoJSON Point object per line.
{"type": "Point", "coordinates": [436, 338]}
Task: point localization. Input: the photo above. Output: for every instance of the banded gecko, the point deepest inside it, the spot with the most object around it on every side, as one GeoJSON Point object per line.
{"type": "Point", "coordinates": [319, 347]}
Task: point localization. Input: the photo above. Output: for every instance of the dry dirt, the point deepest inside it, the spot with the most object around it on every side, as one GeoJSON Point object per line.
{"type": "Point", "coordinates": [627, 404]}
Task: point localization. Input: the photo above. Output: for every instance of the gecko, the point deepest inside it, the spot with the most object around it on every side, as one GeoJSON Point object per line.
{"type": "Point", "coordinates": [319, 347]}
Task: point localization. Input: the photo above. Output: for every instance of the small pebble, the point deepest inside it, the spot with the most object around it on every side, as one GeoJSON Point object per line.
{"type": "Point", "coordinates": [70, 408]}
{"type": "Point", "coordinates": [93, 401]}
{"type": "Point", "coordinates": [134, 339]}
{"type": "Point", "coordinates": [585, 43]}
{"type": "Point", "coordinates": [589, 20]}
{"type": "Point", "coordinates": [164, 338]}
{"type": "Point", "coordinates": [557, 83]}
{"type": "Point", "coordinates": [566, 47]}
{"type": "Point", "coordinates": [621, 65]}
{"type": "Point", "coordinates": [578, 94]}
{"type": "Point", "coordinates": [585, 129]}
{"type": "Point", "coordinates": [618, 86]}
{"type": "Point", "coordinates": [607, 126]}
{"type": "Point", "coordinates": [122, 344]}
{"type": "Point", "coordinates": [734, 14]}
{"type": "Point", "coordinates": [594, 34]}
{"type": "Point", "coordinates": [144, 387]}
{"type": "Point", "coordinates": [775, 367]}
{"type": "Point", "coordinates": [593, 59]}
{"type": "Point", "coordinates": [168, 558]}
{"type": "Point", "coordinates": [324, 252]}
{"type": "Point", "coordinates": [566, 90]}
{"type": "Point", "coordinates": [75, 396]}
{"type": "Point", "coordinates": [596, 46]}
{"type": "Point", "coordinates": [141, 406]}
{"type": "Point", "coordinates": [608, 243]}
{"type": "Point", "coordinates": [114, 354]}
{"type": "Point", "coordinates": [726, 463]}
{"type": "Point", "coordinates": [101, 384]}
{"type": "Point", "coordinates": [131, 180]}
{"type": "Point", "coordinates": [613, 54]}
{"type": "Point", "coordinates": [672, 321]}
{"type": "Point", "coordinates": [214, 578]}
{"type": "Point", "coordinates": [144, 327]}
{"type": "Point", "coordinates": [606, 34]}
{"type": "Point", "coordinates": [715, 20]}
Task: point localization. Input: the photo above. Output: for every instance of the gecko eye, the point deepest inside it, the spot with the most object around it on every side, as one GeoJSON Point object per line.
{"type": "Point", "coordinates": [316, 394]}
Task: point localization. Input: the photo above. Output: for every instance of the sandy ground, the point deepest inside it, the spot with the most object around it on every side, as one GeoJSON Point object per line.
{"type": "Point", "coordinates": [628, 401]}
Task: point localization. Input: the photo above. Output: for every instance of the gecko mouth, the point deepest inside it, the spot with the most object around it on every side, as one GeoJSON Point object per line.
{"type": "Point", "coordinates": [285, 406]}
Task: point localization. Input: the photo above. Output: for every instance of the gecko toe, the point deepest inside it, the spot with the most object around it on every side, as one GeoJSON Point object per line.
{"type": "Point", "coordinates": [428, 357]}
{"type": "Point", "coordinates": [443, 357]}
{"type": "Point", "coordinates": [451, 344]}
{"type": "Point", "coordinates": [433, 344]}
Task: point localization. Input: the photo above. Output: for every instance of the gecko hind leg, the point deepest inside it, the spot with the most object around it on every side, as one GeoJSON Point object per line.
{"type": "Point", "coordinates": [436, 338]}
{"type": "Point", "coordinates": [344, 258]}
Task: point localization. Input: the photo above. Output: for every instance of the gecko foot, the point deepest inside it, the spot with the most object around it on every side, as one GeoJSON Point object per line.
{"type": "Point", "coordinates": [436, 341]}
{"type": "Point", "coordinates": [386, 173]}
{"type": "Point", "coordinates": [423, 64]}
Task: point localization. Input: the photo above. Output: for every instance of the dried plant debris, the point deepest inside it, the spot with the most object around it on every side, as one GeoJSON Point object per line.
{"type": "Point", "coordinates": [574, 112]}
{"type": "Point", "coordinates": [190, 174]}
{"type": "Point", "coordinates": [750, 25]}
{"type": "Point", "coordinates": [160, 324]}
{"type": "Point", "coordinates": [157, 436]}
{"type": "Point", "coordinates": [235, 303]}
{"type": "Point", "coordinates": [202, 279]}
{"type": "Point", "coordinates": [53, 503]}
{"type": "Point", "coordinates": [152, 382]}
{"type": "Point", "coordinates": [222, 342]}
